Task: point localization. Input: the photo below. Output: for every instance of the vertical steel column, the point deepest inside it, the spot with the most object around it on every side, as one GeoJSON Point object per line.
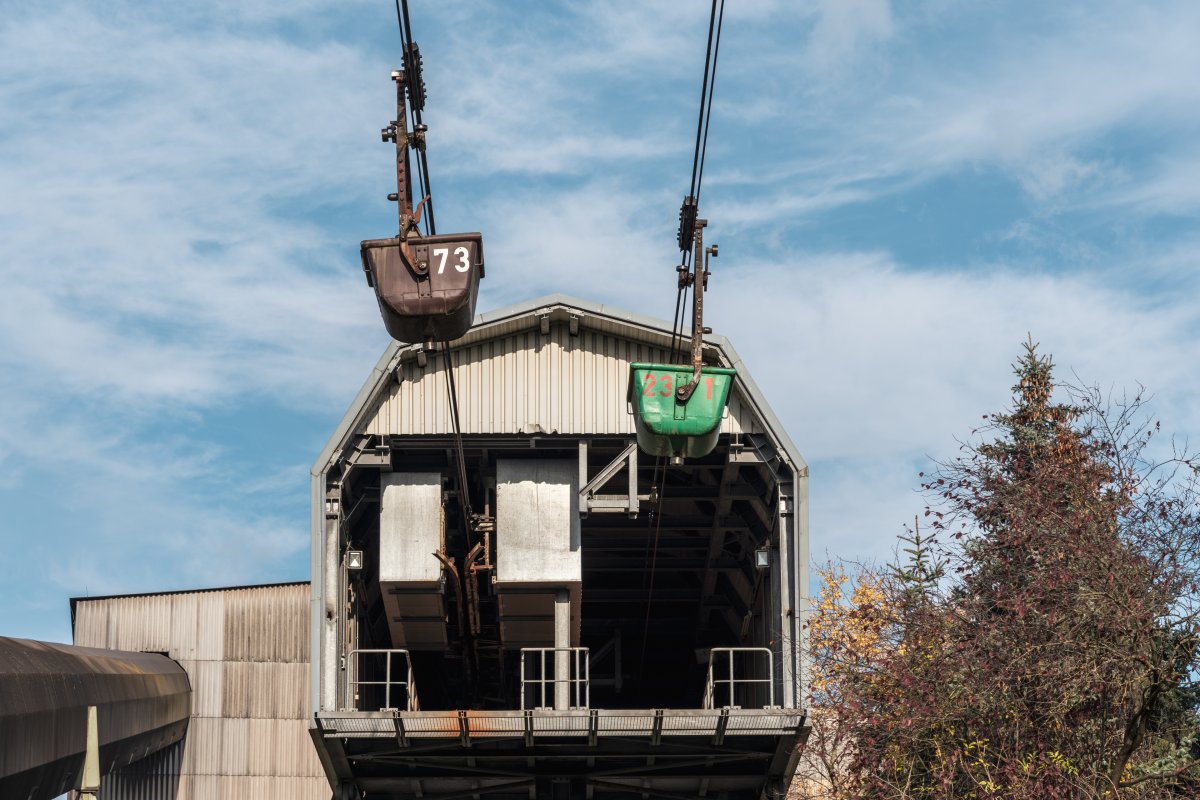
{"type": "Point", "coordinates": [562, 658]}
{"type": "Point", "coordinates": [89, 781]}
{"type": "Point", "coordinates": [331, 638]}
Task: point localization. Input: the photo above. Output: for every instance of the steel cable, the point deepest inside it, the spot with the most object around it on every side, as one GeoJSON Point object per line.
{"type": "Point", "coordinates": [712, 49]}
{"type": "Point", "coordinates": [408, 58]}
{"type": "Point", "coordinates": [716, 49]}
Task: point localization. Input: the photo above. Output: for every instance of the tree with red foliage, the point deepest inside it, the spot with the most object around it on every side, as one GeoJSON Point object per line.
{"type": "Point", "coordinates": [1044, 642]}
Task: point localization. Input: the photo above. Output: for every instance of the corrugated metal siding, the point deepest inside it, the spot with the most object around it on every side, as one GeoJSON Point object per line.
{"type": "Point", "coordinates": [267, 625]}
{"type": "Point", "coordinates": [526, 382]}
{"type": "Point", "coordinates": [246, 653]}
{"type": "Point", "coordinates": [151, 778]}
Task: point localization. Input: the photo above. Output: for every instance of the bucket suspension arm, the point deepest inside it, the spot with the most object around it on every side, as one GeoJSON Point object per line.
{"type": "Point", "coordinates": [397, 131]}
{"type": "Point", "coordinates": [699, 281]}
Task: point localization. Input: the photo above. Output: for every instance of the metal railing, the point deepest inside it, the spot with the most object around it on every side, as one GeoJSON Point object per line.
{"type": "Point", "coordinates": [573, 690]}
{"type": "Point", "coordinates": [733, 660]}
{"type": "Point", "coordinates": [377, 677]}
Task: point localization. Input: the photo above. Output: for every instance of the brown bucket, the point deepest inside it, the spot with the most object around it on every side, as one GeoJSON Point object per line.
{"type": "Point", "coordinates": [433, 297]}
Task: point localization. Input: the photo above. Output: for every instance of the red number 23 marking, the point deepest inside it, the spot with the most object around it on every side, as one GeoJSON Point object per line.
{"type": "Point", "coordinates": [664, 383]}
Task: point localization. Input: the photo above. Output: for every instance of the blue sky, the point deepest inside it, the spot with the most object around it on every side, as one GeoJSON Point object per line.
{"type": "Point", "coordinates": [901, 192]}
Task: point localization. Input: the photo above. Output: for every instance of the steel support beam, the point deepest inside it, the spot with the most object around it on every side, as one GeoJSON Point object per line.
{"type": "Point", "coordinates": [589, 500]}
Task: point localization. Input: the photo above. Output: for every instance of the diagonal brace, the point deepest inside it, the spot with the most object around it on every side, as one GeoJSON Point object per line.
{"type": "Point", "coordinates": [590, 501]}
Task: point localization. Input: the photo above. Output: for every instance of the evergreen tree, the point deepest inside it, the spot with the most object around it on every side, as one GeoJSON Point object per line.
{"type": "Point", "coordinates": [1052, 652]}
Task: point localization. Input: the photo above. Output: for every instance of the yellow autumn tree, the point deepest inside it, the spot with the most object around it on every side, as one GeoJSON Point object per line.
{"type": "Point", "coordinates": [846, 637]}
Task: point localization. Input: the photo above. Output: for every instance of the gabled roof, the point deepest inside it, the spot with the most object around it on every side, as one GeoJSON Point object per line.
{"type": "Point", "coordinates": [557, 308]}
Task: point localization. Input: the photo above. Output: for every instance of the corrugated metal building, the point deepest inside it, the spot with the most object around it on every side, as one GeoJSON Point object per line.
{"type": "Point", "coordinates": [246, 652]}
{"type": "Point", "coordinates": [682, 562]}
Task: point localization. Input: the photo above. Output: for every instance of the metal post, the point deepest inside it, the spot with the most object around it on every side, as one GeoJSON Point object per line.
{"type": "Point", "coordinates": [562, 658]}
{"type": "Point", "coordinates": [731, 703]}
{"type": "Point", "coordinates": [522, 680]}
{"type": "Point", "coordinates": [89, 782]}
{"type": "Point", "coordinates": [387, 680]}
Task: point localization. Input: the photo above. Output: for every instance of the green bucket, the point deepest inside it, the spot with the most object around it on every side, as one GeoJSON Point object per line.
{"type": "Point", "coordinates": [667, 427]}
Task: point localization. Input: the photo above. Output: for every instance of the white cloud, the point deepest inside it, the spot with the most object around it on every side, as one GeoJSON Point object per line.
{"type": "Point", "coordinates": [190, 184]}
{"type": "Point", "coordinates": [873, 368]}
{"type": "Point", "coordinates": [163, 256]}
{"type": "Point", "coordinates": [845, 28]}
{"type": "Point", "coordinates": [151, 253]}
{"type": "Point", "coordinates": [1039, 94]}
{"type": "Point", "coordinates": [1171, 185]}
{"type": "Point", "coordinates": [590, 242]}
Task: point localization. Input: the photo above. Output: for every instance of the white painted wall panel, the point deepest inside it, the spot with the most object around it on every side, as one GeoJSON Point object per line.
{"type": "Point", "coordinates": [537, 522]}
{"type": "Point", "coordinates": [410, 529]}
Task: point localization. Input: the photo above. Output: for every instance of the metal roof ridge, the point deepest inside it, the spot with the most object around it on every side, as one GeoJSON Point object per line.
{"type": "Point", "coordinates": [536, 304]}
{"type": "Point", "coordinates": [202, 590]}
{"type": "Point", "coordinates": [381, 373]}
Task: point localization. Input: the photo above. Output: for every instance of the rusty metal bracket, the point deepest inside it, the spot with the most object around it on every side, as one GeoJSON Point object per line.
{"type": "Point", "coordinates": [699, 281]}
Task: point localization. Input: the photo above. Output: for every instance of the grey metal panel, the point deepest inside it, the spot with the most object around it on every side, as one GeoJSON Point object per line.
{"type": "Point", "coordinates": [139, 623]}
{"type": "Point", "coordinates": [206, 678]}
{"type": "Point", "coordinates": [202, 747]}
{"type": "Point", "coordinates": [528, 382]}
{"type": "Point", "coordinates": [267, 625]}
{"type": "Point", "coordinates": [264, 690]}
{"type": "Point", "coordinates": [142, 702]}
{"type": "Point", "coordinates": [236, 743]}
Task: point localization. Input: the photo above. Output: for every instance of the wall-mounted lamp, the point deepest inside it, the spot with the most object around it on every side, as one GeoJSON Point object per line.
{"type": "Point", "coordinates": [762, 558]}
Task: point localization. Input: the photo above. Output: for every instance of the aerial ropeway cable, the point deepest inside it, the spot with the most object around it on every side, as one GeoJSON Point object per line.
{"type": "Point", "coordinates": [679, 406]}
{"type": "Point", "coordinates": [426, 285]}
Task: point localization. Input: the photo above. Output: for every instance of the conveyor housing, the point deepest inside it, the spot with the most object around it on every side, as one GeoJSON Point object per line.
{"type": "Point", "coordinates": [142, 700]}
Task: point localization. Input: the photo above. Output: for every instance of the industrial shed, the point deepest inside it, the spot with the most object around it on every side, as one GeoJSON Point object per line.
{"type": "Point", "coordinates": [246, 652]}
{"type": "Point", "coordinates": [679, 589]}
